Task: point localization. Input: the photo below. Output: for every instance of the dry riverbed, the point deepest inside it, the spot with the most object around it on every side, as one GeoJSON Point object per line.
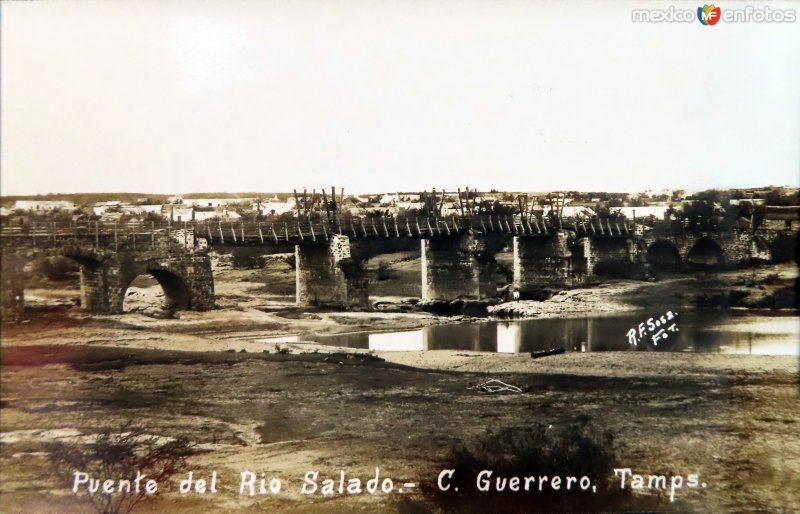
{"type": "Point", "coordinates": [286, 409]}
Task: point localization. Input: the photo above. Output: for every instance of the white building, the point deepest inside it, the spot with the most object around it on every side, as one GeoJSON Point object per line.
{"type": "Point", "coordinates": [572, 211]}
{"type": "Point", "coordinates": [44, 205]}
{"type": "Point", "coordinates": [274, 206]}
{"type": "Point", "coordinates": [215, 202]}
{"type": "Point", "coordinates": [659, 211]}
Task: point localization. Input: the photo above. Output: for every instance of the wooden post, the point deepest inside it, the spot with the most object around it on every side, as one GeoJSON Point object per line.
{"type": "Point", "coordinates": [260, 235]}
{"type": "Point", "coordinates": [208, 229]}
{"type": "Point", "coordinates": [286, 231]}
{"type": "Point", "coordinates": [455, 226]}
{"type": "Point", "coordinates": [325, 227]}
{"type": "Point", "coordinates": [491, 225]}
{"type": "Point", "coordinates": [116, 244]}
{"type": "Point", "coordinates": [300, 232]}
{"type": "Point", "coordinates": [233, 233]}
{"type": "Point", "coordinates": [274, 235]}
{"type": "Point", "coordinates": [364, 227]}
{"type": "Point", "coordinates": [385, 230]}
{"type": "Point", "coordinates": [483, 227]}
{"type": "Point", "coordinates": [419, 232]}
{"type": "Point", "coordinates": [353, 227]}
{"type": "Point", "coordinates": [408, 228]}
{"type": "Point", "coordinates": [374, 230]}
{"type": "Point", "coordinates": [325, 203]}
{"type": "Point", "coordinates": [242, 231]}
{"type": "Point", "coordinates": [428, 222]}
{"type": "Point", "coordinates": [296, 202]}
{"type": "Point", "coordinates": [313, 235]}
{"type": "Point", "coordinates": [221, 235]}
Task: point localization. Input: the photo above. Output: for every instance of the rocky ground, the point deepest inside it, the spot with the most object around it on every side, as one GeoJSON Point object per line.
{"type": "Point", "coordinates": [285, 409]}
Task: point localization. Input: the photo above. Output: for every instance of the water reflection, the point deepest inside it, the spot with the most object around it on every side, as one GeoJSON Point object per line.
{"type": "Point", "coordinates": [713, 331]}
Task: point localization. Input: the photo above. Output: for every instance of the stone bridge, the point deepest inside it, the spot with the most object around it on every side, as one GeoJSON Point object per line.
{"type": "Point", "coordinates": [457, 255]}
{"type": "Point", "coordinates": [109, 264]}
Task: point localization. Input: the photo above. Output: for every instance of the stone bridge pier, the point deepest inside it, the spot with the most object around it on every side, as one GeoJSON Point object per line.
{"type": "Point", "coordinates": [541, 262]}
{"type": "Point", "coordinates": [460, 266]}
{"type": "Point", "coordinates": [327, 276]}
{"type": "Point", "coordinates": [12, 286]}
{"type": "Point", "coordinates": [607, 255]}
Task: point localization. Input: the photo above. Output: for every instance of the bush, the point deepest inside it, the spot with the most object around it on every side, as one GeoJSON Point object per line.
{"type": "Point", "coordinates": [119, 454]}
{"type": "Point", "coordinates": [576, 450]}
{"type": "Point", "coordinates": [384, 271]}
{"type": "Point", "coordinates": [55, 268]}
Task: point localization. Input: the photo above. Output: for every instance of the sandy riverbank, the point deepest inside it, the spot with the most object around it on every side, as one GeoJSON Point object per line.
{"type": "Point", "coordinates": [287, 407]}
{"type": "Point", "coordinates": [728, 418]}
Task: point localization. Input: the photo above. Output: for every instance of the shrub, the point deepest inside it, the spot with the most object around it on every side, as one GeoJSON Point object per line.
{"type": "Point", "coordinates": [119, 454]}
{"type": "Point", "coordinates": [55, 268]}
{"type": "Point", "coordinates": [576, 450]}
{"type": "Point", "coordinates": [384, 271]}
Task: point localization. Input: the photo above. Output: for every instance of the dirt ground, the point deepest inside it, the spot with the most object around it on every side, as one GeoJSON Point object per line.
{"type": "Point", "coordinates": [287, 409]}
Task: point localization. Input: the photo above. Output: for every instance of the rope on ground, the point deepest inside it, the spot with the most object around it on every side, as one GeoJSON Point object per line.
{"type": "Point", "coordinates": [493, 386]}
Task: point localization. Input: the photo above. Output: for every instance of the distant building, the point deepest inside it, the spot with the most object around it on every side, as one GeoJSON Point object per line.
{"type": "Point", "coordinates": [155, 208]}
{"type": "Point", "coordinates": [657, 211]}
{"type": "Point", "coordinates": [389, 200]}
{"type": "Point", "coordinates": [43, 205]}
{"type": "Point", "coordinates": [215, 202]}
{"type": "Point", "coordinates": [273, 207]}
{"type": "Point", "coordinates": [572, 211]}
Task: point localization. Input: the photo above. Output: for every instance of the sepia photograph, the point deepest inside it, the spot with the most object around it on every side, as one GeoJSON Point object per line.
{"type": "Point", "coordinates": [399, 256]}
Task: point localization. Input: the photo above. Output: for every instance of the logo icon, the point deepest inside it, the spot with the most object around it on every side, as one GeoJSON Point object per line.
{"type": "Point", "coordinates": [708, 14]}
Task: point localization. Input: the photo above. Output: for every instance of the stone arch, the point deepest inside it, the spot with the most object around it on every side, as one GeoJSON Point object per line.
{"type": "Point", "coordinates": [784, 247]}
{"type": "Point", "coordinates": [14, 264]}
{"type": "Point", "coordinates": [663, 253]}
{"type": "Point", "coordinates": [177, 294]}
{"type": "Point", "coordinates": [706, 252]}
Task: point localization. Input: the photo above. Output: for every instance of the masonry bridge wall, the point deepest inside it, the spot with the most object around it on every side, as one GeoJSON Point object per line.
{"type": "Point", "coordinates": [107, 272]}
{"type": "Point", "coordinates": [330, 270]}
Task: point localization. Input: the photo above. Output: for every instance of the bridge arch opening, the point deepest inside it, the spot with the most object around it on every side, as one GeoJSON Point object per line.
{"type": "Point", "coordinates": [390, 270]}
{"type": "Point", "coordinates": [52, 281]}
{"type": "Point", "coordinates": [156, 292]}
{"type": "Point", "coordinates": [706, 253]}
{"type": "Point", "coordinates": [784, 248]}
{"type": "Point", "coordinates": [663, 254]}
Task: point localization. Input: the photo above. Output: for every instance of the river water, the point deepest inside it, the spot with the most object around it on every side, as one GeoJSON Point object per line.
{"type": "Point", "coordinates": [689, 331]}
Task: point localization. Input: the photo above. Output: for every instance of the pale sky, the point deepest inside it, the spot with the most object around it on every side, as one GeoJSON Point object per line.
{"type": "Point", "coordinates": [175, 97]}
